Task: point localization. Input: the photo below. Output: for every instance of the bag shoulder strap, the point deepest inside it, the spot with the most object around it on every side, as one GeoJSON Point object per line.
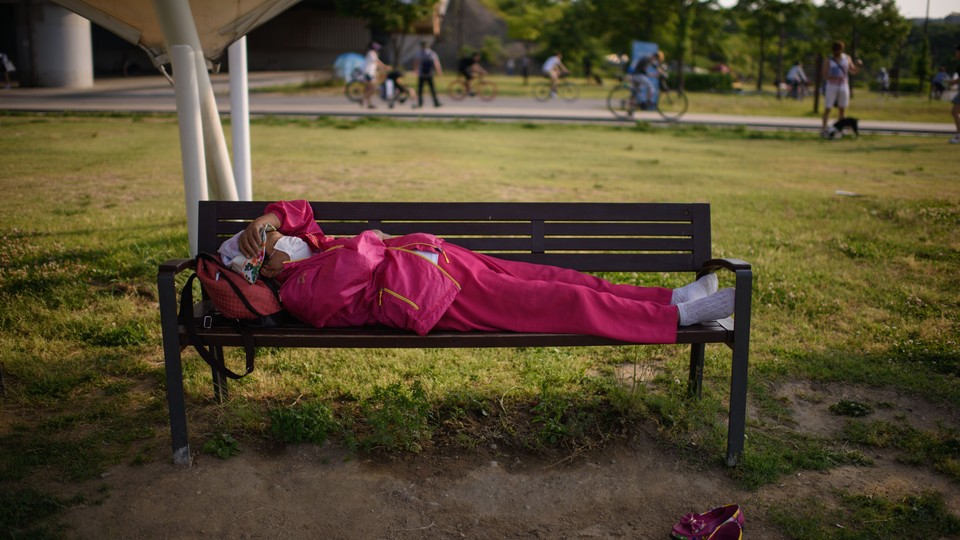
{"type": "Point", "coordinates": [209, 355]}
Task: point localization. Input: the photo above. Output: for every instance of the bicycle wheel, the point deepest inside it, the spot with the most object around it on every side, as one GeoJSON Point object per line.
{"type": "Point", "coordinates": [671, 104]}
{"type": "Point", "coordinates": [568, 91]}
{"type": "Point", "coordinates": [457, 89]}
{"type": "Point", "coordinates": [354, 91]}
{"type": "Point", "coordinates": [486, 90]}
{"type": "Point", "coordinates": [541, 91]}
{"type": "Point", "coordinates": [621, 102]}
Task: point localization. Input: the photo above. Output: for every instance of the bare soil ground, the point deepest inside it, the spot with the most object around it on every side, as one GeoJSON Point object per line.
{"type": "Point", "coordinates": [635, 490]}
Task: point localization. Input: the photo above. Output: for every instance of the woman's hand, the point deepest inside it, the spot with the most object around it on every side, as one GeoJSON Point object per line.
{"type": "Point", "coordinates": [249, 241]}
{"type": "Point", "coordinates": [275, 259]}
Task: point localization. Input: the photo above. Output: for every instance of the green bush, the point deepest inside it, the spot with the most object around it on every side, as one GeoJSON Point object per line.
{"type": "Point", "coordinates": [397, 417]}
{"type": "Point", "coordinates": [307, 422]}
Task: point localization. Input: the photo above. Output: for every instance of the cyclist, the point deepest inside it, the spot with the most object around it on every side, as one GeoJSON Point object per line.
{"type": "Point", "coordinates": [469, 67]}
{"type": "Point", "coordinates": [643, 72]}
{"type": "Point", "coordinates": [372, 66]}
{"type": "Point", "coordinates": [796, 78]}
{"type": "Point", "coordinates": [553, 69]}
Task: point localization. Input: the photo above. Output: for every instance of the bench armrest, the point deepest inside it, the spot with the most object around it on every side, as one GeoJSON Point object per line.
{"type": "Point", "coordinates": [743, 282]}
{"type": "Point", "coordinates": [175, 266]}
{"type": "Point", "coordinates": [730, 264]}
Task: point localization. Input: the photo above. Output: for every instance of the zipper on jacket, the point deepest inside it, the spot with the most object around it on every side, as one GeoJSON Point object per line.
{"type": "Point", "coordinates": [442, 271]}
{"type": "Point", "coordinates": [407, 247]}
{"type": "Point", "coordinates": [397, 296]}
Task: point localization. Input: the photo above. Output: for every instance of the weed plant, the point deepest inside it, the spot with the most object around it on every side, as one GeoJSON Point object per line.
{"type": "Point", "coordinates": [853, 244]}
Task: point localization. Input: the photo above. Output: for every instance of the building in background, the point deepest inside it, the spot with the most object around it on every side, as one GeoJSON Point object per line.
{"type": "Point", "coordinates": [53, 47]}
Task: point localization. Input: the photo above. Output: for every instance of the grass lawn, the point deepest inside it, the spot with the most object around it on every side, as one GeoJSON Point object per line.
{"type": "Point", "coordinates": [853, 243]}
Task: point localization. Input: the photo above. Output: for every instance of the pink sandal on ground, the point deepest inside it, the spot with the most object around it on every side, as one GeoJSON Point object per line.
{"type": "Point", "coordinates": [730, 530]}
{"type": "Point", "coordinates": [702, 526]}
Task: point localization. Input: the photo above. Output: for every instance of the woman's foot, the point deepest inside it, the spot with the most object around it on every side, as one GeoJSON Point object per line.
{"type": "Point", "coordinates": [704, 286]}
{"type": "Point", "coordinates": [718, 305]}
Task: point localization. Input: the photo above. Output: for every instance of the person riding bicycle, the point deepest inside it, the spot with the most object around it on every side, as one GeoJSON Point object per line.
{"type": "Point", "coordinates": [644, 71]}
{"type": "Point", "coordinates": [469, 67]}
{"type": "Point", "coordinates": [372, 66]}
{"type": "Point", "coordinates": [553, 69]}
{"type": "Point", "coordinates": [796, 78]}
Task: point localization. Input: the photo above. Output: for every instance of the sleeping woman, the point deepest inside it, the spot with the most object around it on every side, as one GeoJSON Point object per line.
{"type": "Point", "coordinates": [420, 282]}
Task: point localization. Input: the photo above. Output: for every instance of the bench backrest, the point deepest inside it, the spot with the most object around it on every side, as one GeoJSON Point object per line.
{"type": "Point", "coordinates": [590, 237]}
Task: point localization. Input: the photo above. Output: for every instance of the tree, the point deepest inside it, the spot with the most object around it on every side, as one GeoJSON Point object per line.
{"type": "Point", "coordinates": [764, 19]}
{"type": "Point", "coordinates": [922, 66]}
{"type": "Point", "coordinates": [527, 20]}
{"type": "Point", "coordinates": [395, 17]}
{"type": "Point", "coordinates": [870, 25]}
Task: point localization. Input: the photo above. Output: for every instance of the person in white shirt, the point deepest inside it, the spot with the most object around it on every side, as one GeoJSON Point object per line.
{"type": "Point", "coordinates": [372, 67]}
{"type": "Point", "coordinates": [553, 68]}
{"type": "Point", "coordinates": [836, 73]}
{"type": "Point", "coordinates": [796, 77]}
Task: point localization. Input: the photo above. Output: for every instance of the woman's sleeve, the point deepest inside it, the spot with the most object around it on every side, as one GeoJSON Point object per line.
{"type": "Point", "coordinates": [296, 217]}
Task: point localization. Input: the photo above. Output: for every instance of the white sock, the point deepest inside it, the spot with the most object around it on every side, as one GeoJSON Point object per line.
{"type": "Point", "coordinates": [709, 308]}
{"type": "Point", "coordinates": [704, 286]}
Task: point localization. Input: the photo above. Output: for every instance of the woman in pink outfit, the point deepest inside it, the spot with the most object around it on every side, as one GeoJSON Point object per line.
{"type": "Point", "coordinates": [421, 282]}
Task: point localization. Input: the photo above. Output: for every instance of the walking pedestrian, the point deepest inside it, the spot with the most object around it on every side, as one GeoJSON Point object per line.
{"type": "Point", "coordinates": [427, 65]}
{"type": "Point", "coordinates": [836, 73]}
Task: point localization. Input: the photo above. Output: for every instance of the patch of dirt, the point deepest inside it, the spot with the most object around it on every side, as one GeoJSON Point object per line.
{"type": "Point", "coordinates": [626, 491]}
{"type": "Point", "coordinates": [810, 404]}
{"type": "Point", "coordinates": [635, 490]}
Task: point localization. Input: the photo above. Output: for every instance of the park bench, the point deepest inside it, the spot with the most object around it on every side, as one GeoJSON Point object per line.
{"type": "Point", "coordinates": [590, 237]}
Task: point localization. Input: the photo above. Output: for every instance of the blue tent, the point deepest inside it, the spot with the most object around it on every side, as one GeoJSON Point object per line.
{"type": "Point", "coordinates": [345, 64]}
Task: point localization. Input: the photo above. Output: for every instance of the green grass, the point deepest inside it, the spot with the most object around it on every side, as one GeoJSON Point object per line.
{"type": "Point", "coordinates": [856, 290]}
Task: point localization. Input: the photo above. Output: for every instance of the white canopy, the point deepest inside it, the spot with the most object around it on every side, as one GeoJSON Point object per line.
{"type": "Point", "coordinates": [219, 22]}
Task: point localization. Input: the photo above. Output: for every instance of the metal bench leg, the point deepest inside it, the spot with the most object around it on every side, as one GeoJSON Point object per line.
{"type": "Point", "coordinates": [174, 369]}
{"type": "Point", "coordinates": [738, 376]}
{"type": "Point", "coordinates": [219, 381]}
{"type": "Point", "coordinates": [695, 382]}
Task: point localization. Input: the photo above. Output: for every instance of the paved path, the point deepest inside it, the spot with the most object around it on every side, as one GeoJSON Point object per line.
{"type": "Point", "coordinates": [155, 94]}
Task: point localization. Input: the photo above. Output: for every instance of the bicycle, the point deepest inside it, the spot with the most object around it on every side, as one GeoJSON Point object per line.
{"type": "Point", "coordinates": [566, 90]}
{"type": "Point", "coordinates": [355, 86]}
{"type": "Point", "coordinates": [482, 88]}
{"type": "Point", "coordinates": [798, 90]}
{"type": "Point", "coordinates": [355, 89]}
{"type": "Point", "coordinates": [627, 97]}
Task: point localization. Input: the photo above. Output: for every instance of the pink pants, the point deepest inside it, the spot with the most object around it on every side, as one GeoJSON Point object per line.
{"type": "Point", "coordinates": [506, 295]}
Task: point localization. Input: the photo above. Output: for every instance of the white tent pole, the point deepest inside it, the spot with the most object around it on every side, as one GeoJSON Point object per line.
{"type": "Point", "coordinates": [240, 118]}
{"type": "Point", "coordinates": [191, 136]}
{"type": "Point", "coordinates": [178, 27]}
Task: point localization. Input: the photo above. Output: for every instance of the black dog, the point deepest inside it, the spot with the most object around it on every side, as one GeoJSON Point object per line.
{"type": "Point", "coordinates": [847, 122]}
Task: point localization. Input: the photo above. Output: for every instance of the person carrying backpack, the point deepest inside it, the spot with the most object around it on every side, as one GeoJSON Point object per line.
{"type": "Point", "coordinates": [427, 64]}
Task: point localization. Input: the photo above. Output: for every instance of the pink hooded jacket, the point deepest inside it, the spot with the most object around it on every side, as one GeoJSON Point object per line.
{"type": "Point", "coordinates": [362, 280]}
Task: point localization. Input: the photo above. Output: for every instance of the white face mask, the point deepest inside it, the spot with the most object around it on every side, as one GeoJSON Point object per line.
{"type": "Point", "coordinates": [294, 247]}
